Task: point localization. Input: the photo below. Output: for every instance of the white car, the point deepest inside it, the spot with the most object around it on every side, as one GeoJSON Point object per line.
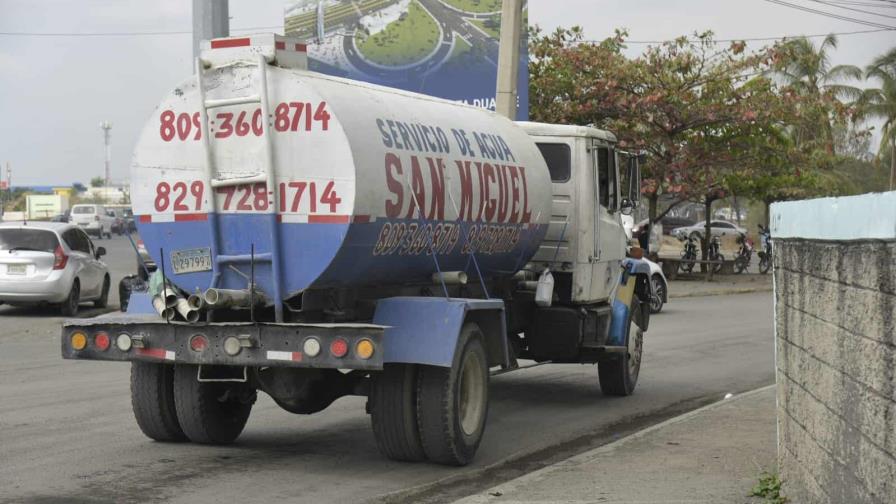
{"type": "Point", "coordinates": [93, 219]}
{"type": "Point", "coordinates": [717, 228]}
{"type": "Point", "coordinates": [51, 262]}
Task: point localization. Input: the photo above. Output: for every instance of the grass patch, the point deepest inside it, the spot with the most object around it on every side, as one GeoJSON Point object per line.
{"type": "Point", "coordinates": [491, 26]}
{"type": "Point", "coordinates": [404, 41]}
{"type": "Point", "coordinates": [769, 488]}
{"type": "Point", "coordinates": [476, 5]}
{"type": "Point", "coordinates": [461, 47]}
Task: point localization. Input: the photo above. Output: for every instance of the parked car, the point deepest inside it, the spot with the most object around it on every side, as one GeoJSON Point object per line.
{"type": "Point", "coordinates": [51, 262]}
{"type": "Point", "coordinates": [717, 228]}
{"type": "Point", "coordinates": [129, 220]}
{"type": "Point", "coordinates": [119, 222]}
{"type": "Point", "coordinates": [660, 286]}
{"type": "Point", "coordinates": [670, 223]}
{"type": "Point", "coordinates": [93, 219]}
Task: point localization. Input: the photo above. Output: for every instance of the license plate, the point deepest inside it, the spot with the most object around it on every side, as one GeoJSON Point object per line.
{"type": "Point", "coordinates": [16, 269]}
{"type": "Point", "coordinates": [191, 260]}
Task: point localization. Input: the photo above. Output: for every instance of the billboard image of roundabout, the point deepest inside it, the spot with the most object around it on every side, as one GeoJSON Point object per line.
{"type": "Point", "coordinates": [446, 48]}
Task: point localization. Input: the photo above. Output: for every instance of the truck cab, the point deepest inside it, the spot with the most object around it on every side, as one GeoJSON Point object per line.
{"type": "Point", "coordinates": [585, 241]}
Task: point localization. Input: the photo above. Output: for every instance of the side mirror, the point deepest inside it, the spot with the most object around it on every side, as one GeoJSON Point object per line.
{"type": "Point", "coordinates": [100, 252]}
{"type": "Point", "coordinates": [634, 181]}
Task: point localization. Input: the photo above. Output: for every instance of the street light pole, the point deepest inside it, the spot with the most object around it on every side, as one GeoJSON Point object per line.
{"type": "Point", "coordinates": [509, 58]}
{"type": "Point", "coordinates": [211, 19]}
{"type": "Point", "coordinates": [106, 126]}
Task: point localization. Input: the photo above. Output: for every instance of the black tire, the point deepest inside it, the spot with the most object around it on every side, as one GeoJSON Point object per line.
{"type": "Point", "coordinates": [393, 413]}
{"type": "Point", "coordinates": [69, 307]}
{"type": "Point", "coordinates": [210, 412]}
{"type": "Point", "coordinates": [619, 373]}
{"type": "Point", "coordinates": [740, 264]}
{"type": "Point", "coordinates": [452, 403]}
{"type": "Point", "coordinates": [152, 399]}
{"type": "Point", "coordinates": [765, 265]}
{"type": "Point", "coordinates": [658, 301]}
{"type": "Point", "coordinates": [720, 262]}
{"type": "Point", "coordinates": [103, 300]}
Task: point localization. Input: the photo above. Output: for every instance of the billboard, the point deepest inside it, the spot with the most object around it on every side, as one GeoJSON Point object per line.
{"type": "Point", "coordinates": [444, 48]}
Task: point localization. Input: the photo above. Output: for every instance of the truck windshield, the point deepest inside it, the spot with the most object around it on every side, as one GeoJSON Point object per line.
{"type": "Point", "coordinates": [28, 239]}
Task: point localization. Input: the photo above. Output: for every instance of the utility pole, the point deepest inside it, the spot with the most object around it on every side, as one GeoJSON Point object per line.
{"type": "Point", "coordinates": [211, 19]}
{"type": "Point", "coordinates": [106, 126]}
{"type": "Point", "coordinates": [509, 58]}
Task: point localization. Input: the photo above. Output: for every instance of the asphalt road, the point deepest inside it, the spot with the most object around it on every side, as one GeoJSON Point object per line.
{"type": "Point", "coordinates": [67, 433]}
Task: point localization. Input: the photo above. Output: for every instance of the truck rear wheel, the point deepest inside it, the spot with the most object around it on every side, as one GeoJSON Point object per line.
{"type": "Point", "coordinates": [452, 403]}
{"type": "Point", "coordinates": [393, 413]}
{"type": "Point", "coordinates": [210, 412]}
{"type": "Point", "coordinates": [619, 373]}
{"type": "Point", "coordinates": [152, 399]}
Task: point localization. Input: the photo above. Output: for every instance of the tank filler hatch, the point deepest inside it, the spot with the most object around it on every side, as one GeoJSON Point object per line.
{"type": "Point", "coordinates": [285, 52]}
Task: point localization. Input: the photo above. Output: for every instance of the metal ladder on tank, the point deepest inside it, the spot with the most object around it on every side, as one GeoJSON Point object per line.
{"type": "Point", "coordinates": [212, 182]}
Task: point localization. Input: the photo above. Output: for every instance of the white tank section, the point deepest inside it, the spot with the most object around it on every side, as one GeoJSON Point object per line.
{"type": "Point", "coordinates": [334, 182]}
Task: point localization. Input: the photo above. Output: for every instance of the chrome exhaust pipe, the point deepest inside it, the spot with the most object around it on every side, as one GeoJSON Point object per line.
{"type": "Point", "coordinates": [450, 278]}
{"type": "Point", "coordinates": [159, 304]}
{"type": "Point", "coordinates": [229, 298]}
{"type": "Point", "coordinates": [170, 296]}
{"type": "Point", "coordinates": [196, 301]}
{"type": "Point", "coordinates": [186, 311]}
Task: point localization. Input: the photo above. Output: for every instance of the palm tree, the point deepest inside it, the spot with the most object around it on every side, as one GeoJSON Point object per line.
{"type": "Point", "coordinates": [808, 71]}
{"type": "Point", "coordinates": [880, 103]}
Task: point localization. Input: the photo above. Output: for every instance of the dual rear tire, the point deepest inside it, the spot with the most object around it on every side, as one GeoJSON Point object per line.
{"type": "Point", "coordinates": [433, 413]}
{"type": "Point", "coordinates": [171, 405]}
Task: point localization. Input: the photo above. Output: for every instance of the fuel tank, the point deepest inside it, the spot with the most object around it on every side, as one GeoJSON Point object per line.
{"type": "Point", "coordinates": [329, 182]}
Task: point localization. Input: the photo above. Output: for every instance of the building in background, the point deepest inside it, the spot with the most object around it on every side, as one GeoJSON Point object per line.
{"type": "Point", "coordinates": [45, 206]}
{"type": "Point", "coordinates": [444, 48]}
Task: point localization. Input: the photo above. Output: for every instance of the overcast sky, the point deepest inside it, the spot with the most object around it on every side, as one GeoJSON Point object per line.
{"type": "Point", "coordinates": [54, 91]}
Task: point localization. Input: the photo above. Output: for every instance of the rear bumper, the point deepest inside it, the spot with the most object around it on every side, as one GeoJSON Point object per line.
{"type": "Point", "coordinates": [269, 345]}
{"type": "Point", "coordinates": [54, 289]}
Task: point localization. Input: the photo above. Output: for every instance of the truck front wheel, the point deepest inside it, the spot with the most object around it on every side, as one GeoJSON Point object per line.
{"type": "Point", "coordinates": [393, 413]}
{"type": "Point", "coordinates": [152, 398]}
{"type": "Point", "coordinates": [619, 373]}
{"type": "Point", "coordinates": [452, 403]}
{"type": "Point", "coordinates": [210, 412]}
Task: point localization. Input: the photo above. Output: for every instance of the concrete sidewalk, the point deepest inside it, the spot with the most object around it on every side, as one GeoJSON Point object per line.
{"type": "Point", "coordinates": [721, 285]}
{"type": "Point", "coordinates": [714, 454]}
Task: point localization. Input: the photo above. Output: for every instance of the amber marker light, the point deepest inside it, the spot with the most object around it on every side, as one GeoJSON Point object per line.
{"type": "Point", "coordinates": [364, 349]}
{"type": "Point", "coordinates": [79, 340]}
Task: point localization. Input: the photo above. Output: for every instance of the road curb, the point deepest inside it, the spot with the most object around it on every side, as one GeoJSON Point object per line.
{"type": "Point", "coordinates": [591, 454]}
{"type": "Point", "coordinates": [721, 292]}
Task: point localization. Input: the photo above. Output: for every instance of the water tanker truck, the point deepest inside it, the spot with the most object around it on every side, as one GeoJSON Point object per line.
{"type": "Point", "coordinates": [318, 237]}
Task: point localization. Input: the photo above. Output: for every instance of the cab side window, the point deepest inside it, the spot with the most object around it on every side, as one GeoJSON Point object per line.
{"type": "Point", "coordinates": [606, 177]}
{"type": "Point", "coordinates": [557, 157]}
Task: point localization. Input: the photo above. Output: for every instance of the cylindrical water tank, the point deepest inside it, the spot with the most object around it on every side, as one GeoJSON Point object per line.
{"type": "Point", "coordinates": [371, 185]}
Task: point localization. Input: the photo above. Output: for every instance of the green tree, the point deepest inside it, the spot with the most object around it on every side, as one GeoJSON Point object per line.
{"type": "Point", "coordinates": [97, 182]}
{"type": "Point", "coordinates": [806, 70]}
{"type": "Point", "coordinates": [880, 103]}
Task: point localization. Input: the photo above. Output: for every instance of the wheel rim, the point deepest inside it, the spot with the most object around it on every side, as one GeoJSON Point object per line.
{"type": "Point", "coordinates": [657, 301]}
{"type": "Point", "coordinates": [635, 345]}
{"type": "Point", "coordinates": [471, 400]}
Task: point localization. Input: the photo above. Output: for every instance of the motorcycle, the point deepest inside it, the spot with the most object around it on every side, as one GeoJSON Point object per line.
{"type": "Point", "coordinates": [715, 244]}
{"type": "Point", "coordinates": [744, 254]}
{"type": "Point", "coordinates": [689, 254]}
{"type": "Point", "coordinates": [765, 253]}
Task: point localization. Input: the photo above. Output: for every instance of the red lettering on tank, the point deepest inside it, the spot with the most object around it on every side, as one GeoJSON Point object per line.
{"type": "Point", "coordinates": [491, 205]}
{"type": "Point", "coordinates": [437, 200]}
{"type": "Point", "coordinates": [527, 212]}
{"type": "Point", "coordinates": [466, 190]}
{"type": "Point", "coordinates": [393, 208]}
{"type": "Point", "coordinates": [503, 190]}
{"type": "Point", "coordinates": [482, 194]}
{"type": "Point", "coordinates": [514, 194]}
{"type": "Point", "coordinates": [418, 190]}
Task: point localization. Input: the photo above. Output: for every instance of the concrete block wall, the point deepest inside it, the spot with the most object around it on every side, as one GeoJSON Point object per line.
{"type": "Point", "coordinates": [835, 311]}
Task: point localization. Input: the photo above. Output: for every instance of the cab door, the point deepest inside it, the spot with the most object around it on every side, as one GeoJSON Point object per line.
{"type": "Point", "coordinates": [608, 234]}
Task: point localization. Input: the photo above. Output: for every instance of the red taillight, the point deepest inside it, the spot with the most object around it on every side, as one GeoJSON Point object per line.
{"type": "Point", "coordinates": [339, 347]}
{"type": "Point", "coordinates": [198, 343]}
{"type": "Point", "coordinates": [61, 259]}
{"type": "Point", "coordinates": [102, 341]}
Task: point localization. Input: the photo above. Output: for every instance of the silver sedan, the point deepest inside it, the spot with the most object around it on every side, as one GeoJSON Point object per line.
{"type": "Point", "coordinates": [51, 262]}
